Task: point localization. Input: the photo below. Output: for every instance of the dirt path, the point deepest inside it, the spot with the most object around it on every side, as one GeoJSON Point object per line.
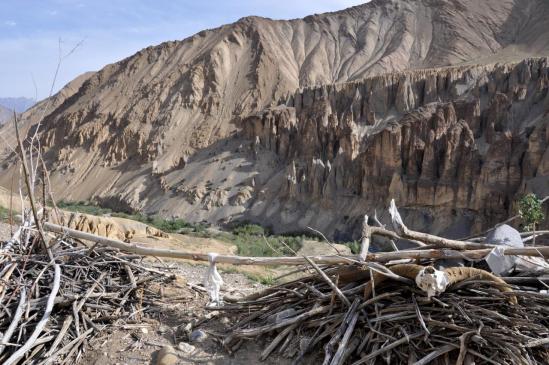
{"type": "Point", "coordinates": [173, 322]}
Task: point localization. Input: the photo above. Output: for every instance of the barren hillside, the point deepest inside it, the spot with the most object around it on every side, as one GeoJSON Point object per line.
{"type": "Point", "coordinates": [5, 114]}
{"type": "Point", "coordinates": [316, 121]}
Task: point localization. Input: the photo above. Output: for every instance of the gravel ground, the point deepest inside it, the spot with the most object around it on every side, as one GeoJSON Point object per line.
{"type": "Point", "coordinates": [5, 231]}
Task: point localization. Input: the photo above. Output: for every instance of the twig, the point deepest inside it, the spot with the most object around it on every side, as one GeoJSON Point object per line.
{"type": "Point", "coordinates": [404, 232]}
{"type": "Point", "coordinates": [15, 320]}
{"type": "Point", "coordinates": [433, 355]}
{"type": "Point", "coordinates": [30, 189]}
{"type": "Point", "coordinates": [16, 356]}
{"type": "Point", "coordinates": [339, 355]}
{"type": "Point", "coordinates": [325, 239]}
{"type": "Point", "coordinates": [328, 281]}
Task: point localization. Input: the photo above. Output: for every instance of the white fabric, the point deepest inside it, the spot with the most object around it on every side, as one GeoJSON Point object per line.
{"type": "Point", "coordinates": [502, 265]}
{"type": "Point", "coordinates": [213, 281]}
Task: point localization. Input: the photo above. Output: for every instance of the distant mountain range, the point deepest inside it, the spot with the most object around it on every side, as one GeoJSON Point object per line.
{"type": "Point", "coordinates": [20, 104]}
{"type": "Point", "coordinates": [8, 105]}
{"type": "Point", "coordinates": [5, 114]}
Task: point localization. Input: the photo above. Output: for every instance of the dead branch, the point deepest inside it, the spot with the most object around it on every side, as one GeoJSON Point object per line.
{"type": "Point", "coordinates": [366, 237]}
{"type": "Point", "coordinates": [14, 358]}
{"type": "Point", "coordinates": [437, 241]}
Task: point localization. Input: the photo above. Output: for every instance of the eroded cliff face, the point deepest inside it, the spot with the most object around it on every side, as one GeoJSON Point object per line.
{"type": "Point", "coordinates": [379, 112]}
{"type": "Point", "coordinates": [444, 143]}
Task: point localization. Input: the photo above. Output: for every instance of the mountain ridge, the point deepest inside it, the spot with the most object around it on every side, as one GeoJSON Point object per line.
{"type": "Point", "coordinates": [5, 114]}
{"type": "Point", "coordinates": [131, 128]}
{"type": "Point", "coordinates": [19, 104]}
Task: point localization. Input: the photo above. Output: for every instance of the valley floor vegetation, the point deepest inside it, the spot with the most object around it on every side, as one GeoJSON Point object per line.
{"type": "Point", "coordinates": [250, 239]}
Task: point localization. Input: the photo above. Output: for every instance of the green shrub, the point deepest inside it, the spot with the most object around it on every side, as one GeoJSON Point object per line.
{"type": "Point", "coordinates": [83, 207]}
{"type": "Point", "coordinates": [265, 246]}
{"type": "Point", "coordinates": [166, 225]}
{"type": "Point", "coordinates": [4, 214]}
{"type": "Point", "coordinates": [530, 211]}
{"type": "Point", "coordinates": [249, 229]}
{"type": "Point", "coordinates": [354, 246]}
{"type": "Point", "coordinates": [250, 239]}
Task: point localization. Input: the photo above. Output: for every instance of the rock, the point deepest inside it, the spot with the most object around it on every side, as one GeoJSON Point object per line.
{"type": "Point", "coordinates": [405, 98]}
{"type": "Point", "coordinates": [186, 330]}
{"type": "Point", "coordinates": [198, 336]}
{"type": "Point", "coordinates": [505, 235]}
{"type": "Point", "coordinates": [166, 356]}
{"type": "Point", "coordinates": [216, 198]}
{"type": "Point", "coordinates": [243, 196]}
{"type": "Point", "coordinates": [185, 347]}
{"type": "Point", "coordinates": [211, 314]}
{"type": "Point", "coordinates": [163, 329]}
{"type": "Point", "coordinates": [456, 150]}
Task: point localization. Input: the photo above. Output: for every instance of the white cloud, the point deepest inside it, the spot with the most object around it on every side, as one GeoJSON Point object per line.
{"type": "Point", "coordinates": [10, 23]}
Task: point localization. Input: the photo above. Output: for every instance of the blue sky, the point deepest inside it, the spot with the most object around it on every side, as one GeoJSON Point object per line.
{"type": "Point", "coordinates": [110, 30]}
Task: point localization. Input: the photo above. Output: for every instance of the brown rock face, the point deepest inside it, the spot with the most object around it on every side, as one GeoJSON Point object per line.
{"type": "Point", "coordinates": [473, 151]}
{"type": "Point", "coordinates": [314, 121]}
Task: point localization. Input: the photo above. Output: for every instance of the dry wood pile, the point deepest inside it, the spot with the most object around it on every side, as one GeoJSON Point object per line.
{"type": "Point", "coordinates": [403, 311]}
{"type": "Point", "coordinates": [472, 322]}
{"type": "Point", "coordinates": [51, 304]}
{"type": "Point", "coordinates": [56, 292]}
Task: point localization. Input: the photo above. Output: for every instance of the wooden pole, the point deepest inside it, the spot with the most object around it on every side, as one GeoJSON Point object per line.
{"type": "Point", "coordinates": [366, 237]}
{"type": "Point", "coordinates": [292, 261]}
{"type": "Point", "coordinates": [139, 249]}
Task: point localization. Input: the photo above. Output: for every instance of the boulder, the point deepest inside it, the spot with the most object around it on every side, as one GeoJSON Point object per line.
{"type": "Point", "coordinates": [505, 235]}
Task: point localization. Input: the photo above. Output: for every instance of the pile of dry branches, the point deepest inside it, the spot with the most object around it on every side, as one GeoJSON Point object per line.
{"type": "Point", "coordinates": [365, 312]}
{"type": "Point", "coordinates": [471, 323]}
{"type": "Point", "coordinates": [51, 305]}
{"type": "Point", "coordinates": [56, 292]}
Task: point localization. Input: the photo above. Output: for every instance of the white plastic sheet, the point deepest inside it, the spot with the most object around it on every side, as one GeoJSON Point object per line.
{"type": "Point", "coordinates": [506, 236]}
{"type": "Point", "coordinates": [502, 265]}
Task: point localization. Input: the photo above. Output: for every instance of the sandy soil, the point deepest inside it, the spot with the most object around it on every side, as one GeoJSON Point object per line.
{"type": "Point", "coordinates": [5, 231]}
{"type": "Point", "coordinates": [182, 307]}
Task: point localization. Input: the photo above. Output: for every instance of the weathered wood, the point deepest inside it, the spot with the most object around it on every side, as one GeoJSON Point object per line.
{"type": "Point", "coordinates": [437, 241]}
{"type": "Point", "coordinates": [366, 237]}
{"type": "Point", "coordinates": [17, 355]}
{"type": "Point", "coordinates": [275, 261]}
{"type": "Point", "coordinates": [30, 188]}
{"type": "Point", "coordinates": [329, 282]}
{"type": "Point", "coordinates": [339, 356]}
{"type": "Point", "coordinates": [15, 320]}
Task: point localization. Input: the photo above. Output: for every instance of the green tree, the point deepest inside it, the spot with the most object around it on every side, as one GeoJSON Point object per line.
{"type": "Point", "coordinates": [531, 212]}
